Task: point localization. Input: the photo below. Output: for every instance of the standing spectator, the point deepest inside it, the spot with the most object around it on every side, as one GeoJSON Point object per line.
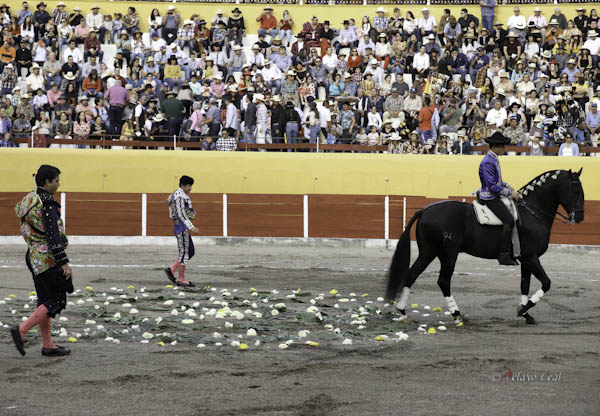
{"type": "Point", "coordinates": [116, 97]}
{"type": "Point", "coordinates": [262, 121]}
{"type": "Point", "coordinates": [268, 23]}
{"type": "Point", "coordinates": [488, 13]}
{"type": "Point", "coordinates": [173, 110]}
{"type": "Point", "coordinates": [277, 120]}
{"type": "Point", "coordinates": [292, 123]}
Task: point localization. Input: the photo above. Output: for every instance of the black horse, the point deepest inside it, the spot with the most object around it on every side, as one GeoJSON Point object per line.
{"type": "Point", "coordinates": [450, 227]}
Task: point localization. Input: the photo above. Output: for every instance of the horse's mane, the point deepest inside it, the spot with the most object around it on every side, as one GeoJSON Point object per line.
{"type": "Point", "coordinates": [539, 181]}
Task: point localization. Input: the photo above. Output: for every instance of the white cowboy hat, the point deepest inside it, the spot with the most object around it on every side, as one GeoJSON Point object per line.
{"type": "Point", "coordinates": [259, 97]}
{"type": "Point", "coordinates": [373, 62]}
{"type": "Point", "coordinates": [502, 73]}
{"type": "Point", "coordinates": [83, 98]}
{"type": "Point", "coordinates": [277, 98]}
{"type": "Point", "coordinates": [237, 48]}
{"type": "Point", "coordinates": [381, 10]}
{"type": "Point", "coordinates": [520, 25]}
{"type": "Point", "coordinates": [217, 76]}
{"type": "Point", "coordinates": [395, 136]}
{"type": "Point", "coordinates": [537, 9]}
{"type": "Point", "coordinates": [69, 76]}
{"type": "Point", "coordinates": [291, 73]}
{"type": "Point", "coordinates": [424, 9]}
{"type": "Point", "coordinates": [219, 11]}
{"type": "Point", "coordinates": [171, 8]}
{"type": "Point", "coordinates": [158, 118]}
{"type": "Point", "coordinates": [188, 22]}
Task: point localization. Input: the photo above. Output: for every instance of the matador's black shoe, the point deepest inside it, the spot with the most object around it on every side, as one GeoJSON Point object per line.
{"type": "Point", "coordinates": [16, 336]}
{"type": "Point", "coordinates": [56, 352]}
{"type": "Point", "coordinates": [170, 275]}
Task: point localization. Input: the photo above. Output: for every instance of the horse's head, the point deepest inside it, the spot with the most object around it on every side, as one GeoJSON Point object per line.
{"type": "Point", "coordinates": [571, 196]}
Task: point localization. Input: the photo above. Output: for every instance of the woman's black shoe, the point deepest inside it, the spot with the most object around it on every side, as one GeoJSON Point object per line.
{"type": "Point", "coordinates": [16, 335]}
{"type": "Point", "coordinates": [170, 275]}
{"type": "Point", "coordinates": [55, 352]}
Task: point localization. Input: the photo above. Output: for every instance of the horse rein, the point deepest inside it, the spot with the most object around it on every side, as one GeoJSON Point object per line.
{"type": "Point", "coordinates": [568, 220]}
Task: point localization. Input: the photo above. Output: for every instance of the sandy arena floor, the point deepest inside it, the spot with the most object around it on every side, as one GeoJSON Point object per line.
{"type": "Point", "coordinates": [493, 365]}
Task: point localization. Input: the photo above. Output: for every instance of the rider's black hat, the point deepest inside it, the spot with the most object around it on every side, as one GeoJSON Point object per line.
{"type": "Point", "coordinates": [497, 138]}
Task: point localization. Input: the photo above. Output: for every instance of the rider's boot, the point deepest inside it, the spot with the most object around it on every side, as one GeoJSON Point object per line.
{"type": "Point", "coordinates": [505, 257]}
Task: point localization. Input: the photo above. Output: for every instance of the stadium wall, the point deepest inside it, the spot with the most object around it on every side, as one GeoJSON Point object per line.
{"type": "Point", "coordinates": [271, 194]}
{"type": "Point", "coordinates": [300, 13]}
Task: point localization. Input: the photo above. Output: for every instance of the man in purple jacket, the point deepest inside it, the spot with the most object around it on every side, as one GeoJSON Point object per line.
{"type": "Point", "coordinates": [492, 187]}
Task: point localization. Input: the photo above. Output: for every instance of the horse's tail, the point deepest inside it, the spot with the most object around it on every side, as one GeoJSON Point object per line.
{"type": "Point", "coordinates": [400, 262]}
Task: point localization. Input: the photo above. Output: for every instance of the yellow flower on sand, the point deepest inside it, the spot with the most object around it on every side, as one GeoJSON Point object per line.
{"type": "Point", "coordinates": [460, 324]}
{"type": "Point", "coordinates": [243, 347]}
{"type": "Point", "coordinates": [89, 288]}
{"type": "Point", "coordinates": [161, 344]}
{"type": "Point", "coordinates": [365, 295]}
{"type": "Point", "coordinates": [34, 293]}
{"type": "Point", "coordinates": [130, 287]}
{"type": "Point", "coordinates": [169, 286]}
{"type": "Point", "coordinates": [252, 289]}
{"type": "Point", "coordinates": [414, 305]}
{"type": "Point", "coordinates": [333, 292]}
{"type": "Point", "coordinates": [437, 309]}
{"type": "Point", "coordinates": [431, 331]}
{"type": "Point", "coordinates": [313, 343]}
{"type": "Point", "coordinates": [12, 296]}
{"type": "Point", "coordinates": [72, 339]}
{"type": "Point", "coordinates": [381, 338]}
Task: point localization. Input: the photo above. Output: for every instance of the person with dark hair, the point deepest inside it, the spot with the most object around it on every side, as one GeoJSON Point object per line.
{"type": "Point", "coordinates": [182, 214]}
{"type": "Point", "coordinates": [43, 230]}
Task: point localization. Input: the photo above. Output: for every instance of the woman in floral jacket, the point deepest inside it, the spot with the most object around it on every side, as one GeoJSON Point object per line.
{"type": "Point", "coordinates": [44, 233]}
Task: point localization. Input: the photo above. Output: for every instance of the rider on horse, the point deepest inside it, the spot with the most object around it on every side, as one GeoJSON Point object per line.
{"type": "Point", "coordinates": [492, 187]}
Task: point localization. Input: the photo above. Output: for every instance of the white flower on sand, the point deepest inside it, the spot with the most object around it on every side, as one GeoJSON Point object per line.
{"type": "Point", "coordinates": [251, 332]}
{"type": "Point", "coordinates": [63, 319]}
{"type": "Point", "coordinates": [291, 296]}
{"type": "Point", "coordinates": [235, 343]}
{"type": "Point", "coordinates": [228, 325]}
{"type": "Point", "coordinates": [181, 294]}
{"type": "Point", "coordinates": [303, 333]}
{"type": "Point", "coordinates": [257, 343]}
{"type": "Point", "coordinates": [258, 315]}
{"type": "Point", "coordinates": [187, 321]}
{"type": "Point", "coordinates": [274, 312]}
{"type": "Point", "coordinates": [283, 346]}
{"type": "Point", "coordinates": [254, 306]}
{"type": "Point", "coordinates": [147, 335]}
{"type": "Point", "coordinates": [441, 328]}
{"type": "Point", "coordinates": [158, 320]}
{"type": "Point", "coordinates": [190, 312]}
{"type": "Point", "coordinates": [279, 305]}
{"type": "Point", "coordinates": [196, 304]}
{"type": "Point", "coordinates": [328, 326]}
{"type": "Point", "coordinates": [90, 322]}
{"type": "Point", "coordinates": [133, 311]}
{"type": "Point", "coordinates": [313, 302]}
{"type": "Point", "coordinates": [174, 312]}
{"type": "Point", "coordinates": [116, 341]}
{"type": "Point", "coordinates": [109, 339]}
{"type": "Point", "coordinates": [125, 331]}
{"type": "Point", "coordinates": [80, 301]}
{"type": "Point", "coordinates": [379, 299]}
{"type": "Point", "coordinates": [237, 315]}
{"type": "Point", "coordinates": [344, 300]}
{"type": "Point", "coordinates": [347, 341]}
{"type": "Point", "coordinates": [217, 335]}
{"type": "Point", "coordinates": [312, 309]}
{"type": "Point", "coordinates": [126, 305]}
{"type": "Point", "coordinates": [200, 346]}
{"type": "Point", "coordinates": [218, 344]}
{"type": "Point", "coordinates": [168, 302]}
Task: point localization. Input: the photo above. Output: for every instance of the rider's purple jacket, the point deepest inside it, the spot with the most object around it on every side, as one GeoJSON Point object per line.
{"type": "Point", "coordinates": [491, 178]}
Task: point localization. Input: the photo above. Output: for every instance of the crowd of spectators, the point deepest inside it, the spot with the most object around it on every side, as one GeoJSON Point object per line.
{"type": "Point", "coordinates": [417, 84]}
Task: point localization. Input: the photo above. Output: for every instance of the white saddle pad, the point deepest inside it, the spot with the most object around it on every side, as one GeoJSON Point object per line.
{"type": "Point", "coordinates": [485, 216]}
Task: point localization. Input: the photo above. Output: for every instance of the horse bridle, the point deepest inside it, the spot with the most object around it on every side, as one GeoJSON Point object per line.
{"type": "Point", "coordinates": [570, 219]}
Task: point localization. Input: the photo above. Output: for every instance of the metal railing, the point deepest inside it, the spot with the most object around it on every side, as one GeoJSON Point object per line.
{"type": "Point", "coordinates": [175, 142]}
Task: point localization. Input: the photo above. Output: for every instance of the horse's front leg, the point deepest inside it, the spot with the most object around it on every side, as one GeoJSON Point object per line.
{"type": "Point", "coordinates": [534, 266]}
{"type": "Point", "coordinates": [525, 283]}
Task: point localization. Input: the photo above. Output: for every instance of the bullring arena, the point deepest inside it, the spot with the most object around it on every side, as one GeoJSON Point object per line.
{"type": "Point", "coordinates": [296, 233]}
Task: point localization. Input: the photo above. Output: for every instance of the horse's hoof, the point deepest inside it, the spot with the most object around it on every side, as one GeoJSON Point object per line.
{"type": "Point", "coordinates": [521, 310]}
{"type": "Point", "coordinates": [403, 319]}
{"type": "Point", "coordinates": [530, 320]}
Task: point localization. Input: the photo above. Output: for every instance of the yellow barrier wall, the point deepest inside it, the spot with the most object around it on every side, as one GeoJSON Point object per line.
{"type": "Point", "coordinates": [301, 14]}
{"type": "Point", "coordinates": [276, 173]}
